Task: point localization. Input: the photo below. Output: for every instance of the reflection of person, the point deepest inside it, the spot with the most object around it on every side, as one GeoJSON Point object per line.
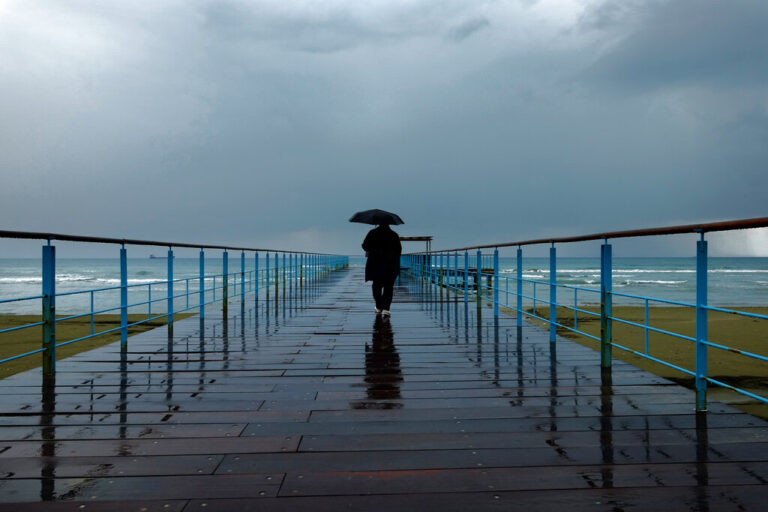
{"type": "Point", "coordinates": [382, 365]}
{"type": "Point", "coordinates": [382, 247]}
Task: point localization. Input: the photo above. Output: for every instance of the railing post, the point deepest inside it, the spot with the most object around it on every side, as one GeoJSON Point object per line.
{"type": "Point", "coordinates": [49, 310]}
{"type": "Point", "coordinates": [202, 284]}
{"type": "Point", "coordinates": [701, 324]}
{"type": "Point", "coordinates": [456, 272]}
{"type": "Point", "coordinates": [466, 276]}
{"type": "Point", "coordinates": [256, 276]}
{"type": "Point", "coordinates": [606, 303]}
{"type": "Point", "coordinates": [277, 278]}
{"type": "Point", "coordinates": [496, 284]}
{"type": "Point", "coordinates": [266, 274]}
{"type": "Point", "coordinates": [242, 280]}
{"type": "Point", "coordinates": [170, 291]}
{"type": "Point", "coordinates": [301, 271]}
{"type": "Point", "coordinates": [225, 286]}
{"type": "Point", "coordinates": [552, 293]}
{"type": "Point", "coordinates": [283, 275]}
{"type": "Point", "coordinates": [123, 299]}
{"type": "Point", "coordinates": [479, 276]}
{"type": "Point", "coordinates": [519, 286]}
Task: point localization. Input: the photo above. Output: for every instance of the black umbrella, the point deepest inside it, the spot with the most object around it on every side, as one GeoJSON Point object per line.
{"type": "Point", "coordinates": [376, 217]}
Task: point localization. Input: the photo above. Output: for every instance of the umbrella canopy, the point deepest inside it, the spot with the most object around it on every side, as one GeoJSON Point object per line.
{"type": "Point", "coordinates": [376, 217]}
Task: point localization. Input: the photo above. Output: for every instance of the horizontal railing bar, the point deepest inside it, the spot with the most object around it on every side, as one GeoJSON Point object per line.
{"type": "Point", "coordinates": [19, 356]}
{"type": "Point", "coordinates": [654, 359]}
{"type": "Point", "coordinates": [740, 391]}
{"type": "Point", "coordinates": [30, 235]}
{"type": "Point", "coordinates": [729, 225]}
{"type": "Point", "coordinates": [20, 327]}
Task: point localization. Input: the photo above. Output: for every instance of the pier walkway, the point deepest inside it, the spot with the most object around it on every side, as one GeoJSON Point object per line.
{"type": "Point", "coordinates": [313, 404]}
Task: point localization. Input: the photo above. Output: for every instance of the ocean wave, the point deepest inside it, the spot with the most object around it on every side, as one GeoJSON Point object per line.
{"type": "Point", "coordinates": [643, 271]}
{"type": "Point", "coordinates": [630, 282]}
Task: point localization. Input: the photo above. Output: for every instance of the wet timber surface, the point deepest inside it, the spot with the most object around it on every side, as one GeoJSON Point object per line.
{"type": "Point", "coordinates": [312, 403]}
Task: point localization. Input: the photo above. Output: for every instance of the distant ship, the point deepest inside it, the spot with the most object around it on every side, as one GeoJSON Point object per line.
{"type": "Point", "coordinates": [153, 257]}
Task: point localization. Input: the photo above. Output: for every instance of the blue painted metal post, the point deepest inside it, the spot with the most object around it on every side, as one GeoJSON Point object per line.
{"type": "Point", "coordinates": [479, 276]}
{"type": "Point", "coordinates": [266, 274]}
{"type": "Point", "coordinates": [242, 279]}
{"type": "Point", "coordinates": [283, 275]}
{"type": "Point", "coordinates": [701, 324]}
{"type": "Point", "coordinates": [277, 277]}
{"type": "Point", "coordinates": [202, 284]}
{"type": "Point", "coordinates": [256, 275]}
{"type": "Point", "coordinates": [519, 287]}
{"type": "Point", "coordinates": [225, 288]}
{"type": "Point", "coordinates": [496, 283]}
{"type": "Point", "coordinates": [552, 293]}
{"type": "Point", "coordinates": [49, 310]}
{"type": "Point", "coordinates": [466, 277]}
{"type": "Point", "coordinates": [442, 269]}
{"type": "Point", "coordinates": [456, 271]}
{"type": "Point", "coordinates": [301, 271]}
{"type": "Point", "coordinates": [123, 299]}
{"type": "Point", "coordinates": [606, 304]}
{"type": "Point", "coordinates": [170, 290]}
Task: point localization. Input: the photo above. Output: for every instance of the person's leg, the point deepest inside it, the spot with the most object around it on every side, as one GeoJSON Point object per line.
{"type": "Point", "coordinates": [376, 287]}
{"type": "Point", "coordinates": [386, 300]}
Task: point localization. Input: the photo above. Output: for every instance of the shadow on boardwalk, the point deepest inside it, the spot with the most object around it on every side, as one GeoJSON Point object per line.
{"type": "Point", "coordinates": [313, 404]}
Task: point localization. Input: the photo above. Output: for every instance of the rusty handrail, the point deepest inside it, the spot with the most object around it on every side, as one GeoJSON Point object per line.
{"type": "Point", "coordinates": [29, 235]}
{"type": "Point", "coordinates": [729, 225]}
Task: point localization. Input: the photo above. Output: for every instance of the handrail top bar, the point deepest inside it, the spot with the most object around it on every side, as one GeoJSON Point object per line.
{"type": "Point", "coordinates": [728, 225]}
{"type": "Point", "coordinates": [29, 235]}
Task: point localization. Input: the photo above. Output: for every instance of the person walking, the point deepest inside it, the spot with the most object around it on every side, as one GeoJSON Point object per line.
{"type": "Point", "coordinates": [382, 248]}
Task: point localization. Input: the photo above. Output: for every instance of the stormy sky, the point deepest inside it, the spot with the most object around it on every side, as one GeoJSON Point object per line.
{"type": "Point", "coordinates": [268, 123]}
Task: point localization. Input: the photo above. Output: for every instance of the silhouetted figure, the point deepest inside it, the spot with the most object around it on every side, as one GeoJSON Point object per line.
{"type": "Point", "coordinates": [383, 249]}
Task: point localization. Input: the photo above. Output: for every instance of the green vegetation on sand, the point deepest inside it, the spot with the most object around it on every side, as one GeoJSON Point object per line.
{"type": "Point", "coordinates": [738, 332]}
{"type": "Point", "coordinates": [25, 340]}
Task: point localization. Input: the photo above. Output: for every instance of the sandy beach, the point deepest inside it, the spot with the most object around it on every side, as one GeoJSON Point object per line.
{"type": "Point", "coordinates": [726, 329]}
{"type": "Point", "coordinates": [25, 340]}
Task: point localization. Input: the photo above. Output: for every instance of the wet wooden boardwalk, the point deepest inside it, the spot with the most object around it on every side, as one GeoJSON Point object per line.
{"type": "Point", "coordinates": [315, 405]}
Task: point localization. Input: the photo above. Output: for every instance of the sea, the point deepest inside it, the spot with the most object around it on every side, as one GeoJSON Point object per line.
{"type": "Point", "coordinates": [731, 281]}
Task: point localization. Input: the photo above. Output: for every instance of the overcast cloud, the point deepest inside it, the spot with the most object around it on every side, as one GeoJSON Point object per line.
{"type": "Point", "coordinates": [271, 122]}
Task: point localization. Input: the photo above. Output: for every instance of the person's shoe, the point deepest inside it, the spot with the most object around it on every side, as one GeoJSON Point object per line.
{"type": "Point", "coordinates": [385, 313]}
{"type": "Point", "coordinates": [377, 310]}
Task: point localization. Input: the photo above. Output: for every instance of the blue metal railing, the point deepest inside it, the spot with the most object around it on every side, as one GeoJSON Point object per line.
{"type": "Point", "coordinates": [298, 269]}
{"type": "Point", "coordinates": [485, 282]}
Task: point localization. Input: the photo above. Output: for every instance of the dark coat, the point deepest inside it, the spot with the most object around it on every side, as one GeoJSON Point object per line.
{"type": "Point", "coordinates": [382, 247]}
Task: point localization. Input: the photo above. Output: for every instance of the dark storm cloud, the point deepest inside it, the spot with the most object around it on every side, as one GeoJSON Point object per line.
{"type": "Point", "coordinates": [467, 28]}
{"type": "Point", "coordinates": [707, 42]}
{"type": "Point", "coordinates": [270, 123]}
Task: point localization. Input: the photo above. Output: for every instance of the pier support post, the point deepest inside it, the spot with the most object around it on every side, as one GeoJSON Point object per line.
{"type": "Point", "coordinates": [519, 287]}
{"type": "Point", "coordinates": [242, 283]}
{"type": "Point", "coordinates": [123, 299]}
{"type": "Point", "coordinates": [496, 287]}
{"type": "Point", "coordinates": [256, 278]}
{"type": "Point", "coordinates": [277, 279]}
{"type": "Point", "coordinates": [170, 291]}
{"type": "Point", "coordinates": [202, 285]}
{"type": "Point", "coordinates": [456, 272]}
{"type": "Point", "coordinates": [466, 277]}
{"type": "Point", "coordinates": [479, 277]}
{"type": "Point", "coordinates": [552, 293]}
{"type": "Point", "coordinates": [225, 288]}
{"type": "Point", "coordinates": [606, 304]}
{"type": "Point", "coordinates": [701, 324]}
{"type": "Point", "coordinates": [49, 310]}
